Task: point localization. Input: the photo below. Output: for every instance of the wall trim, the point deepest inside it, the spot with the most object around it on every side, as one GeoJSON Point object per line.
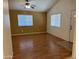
{"type": "Point", "coordinates": [7, 57]}
{"type": "Point", "coordinates": [28, 33]}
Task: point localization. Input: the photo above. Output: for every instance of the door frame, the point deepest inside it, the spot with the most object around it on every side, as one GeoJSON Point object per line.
{"type": "Point", "coordinates": [73, 15]}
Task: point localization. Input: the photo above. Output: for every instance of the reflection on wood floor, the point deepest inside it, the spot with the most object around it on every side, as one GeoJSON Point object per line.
{"type": "Point", "coordinates": [40, 46]}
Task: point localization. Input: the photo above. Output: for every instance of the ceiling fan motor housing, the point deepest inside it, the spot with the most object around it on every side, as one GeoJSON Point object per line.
{"type": "Point", "coordinates": [27, 3]}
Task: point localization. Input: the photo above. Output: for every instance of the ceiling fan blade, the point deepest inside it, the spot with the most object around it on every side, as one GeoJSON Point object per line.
{"type": "Point", "coordinates": [33, 6]}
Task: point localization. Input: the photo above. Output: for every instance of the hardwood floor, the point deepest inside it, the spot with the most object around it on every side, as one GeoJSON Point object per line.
{"type": "Point", "coordinates": [40, 46]}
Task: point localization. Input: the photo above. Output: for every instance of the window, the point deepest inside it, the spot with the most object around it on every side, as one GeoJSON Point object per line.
{"type": "Point", "coordinates": [55, 20]}
{"type": "Point", "coordinates": [25, 20]}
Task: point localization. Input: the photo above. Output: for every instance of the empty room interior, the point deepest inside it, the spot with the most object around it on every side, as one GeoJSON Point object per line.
{"type": "Point", "coordinates": [39, 29]}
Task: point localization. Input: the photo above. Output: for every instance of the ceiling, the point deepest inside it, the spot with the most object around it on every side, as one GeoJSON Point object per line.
{"type": "Point", "coordinates": [41, 5]}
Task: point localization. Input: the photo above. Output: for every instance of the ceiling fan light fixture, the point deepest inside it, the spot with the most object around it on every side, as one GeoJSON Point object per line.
{"type": "Point", "coordinates": [28, 5]}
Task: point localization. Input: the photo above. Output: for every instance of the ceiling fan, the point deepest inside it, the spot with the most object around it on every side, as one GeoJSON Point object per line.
{"type": "Point", "coordinates": [28, 4]}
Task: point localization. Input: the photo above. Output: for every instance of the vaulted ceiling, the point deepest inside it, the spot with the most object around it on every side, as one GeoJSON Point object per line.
{"type": "Point", "coordinates": [40, 5]}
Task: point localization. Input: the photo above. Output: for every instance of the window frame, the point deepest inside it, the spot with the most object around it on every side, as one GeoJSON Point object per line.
{"type": "Point", "coordinates": [60, 20]}
{"type": "Point", "coordinates": [24, 25]}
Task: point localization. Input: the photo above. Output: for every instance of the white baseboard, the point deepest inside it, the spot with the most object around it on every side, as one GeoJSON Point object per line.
{"type": "Point", "coordinates": [7, 57]}
{"type": "Point", "coordinates": [28, 33]}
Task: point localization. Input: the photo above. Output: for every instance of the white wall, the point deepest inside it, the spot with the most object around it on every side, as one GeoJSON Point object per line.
{"type": "Point", "coordinates": [7, 43]}
{"type": "Point", "coordinates": [65, 7]}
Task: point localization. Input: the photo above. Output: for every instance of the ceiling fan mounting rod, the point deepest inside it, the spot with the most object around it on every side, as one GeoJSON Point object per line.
{"type": "Point", "coordinates": [27, 0]}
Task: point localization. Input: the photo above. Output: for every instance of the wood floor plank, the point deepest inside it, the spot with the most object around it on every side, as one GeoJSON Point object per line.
{"type": "Point", "coordinates": [40, 46]}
